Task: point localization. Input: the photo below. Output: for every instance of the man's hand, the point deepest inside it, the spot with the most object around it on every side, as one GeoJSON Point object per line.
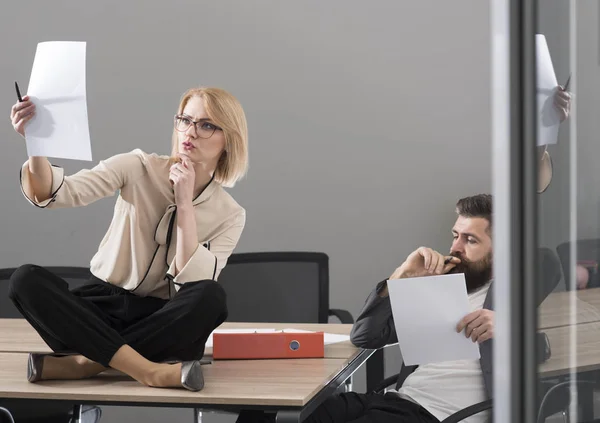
{"type": "Point", "coordinates": [562, 102]}
{"type": "Point", "coordinates": [479, 325]}
{"type": "Point", "coordinates": [424, 262]}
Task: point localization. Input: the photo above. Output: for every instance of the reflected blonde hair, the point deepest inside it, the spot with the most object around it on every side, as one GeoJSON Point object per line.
{"type": "Point", "coordinates": [226, 112]}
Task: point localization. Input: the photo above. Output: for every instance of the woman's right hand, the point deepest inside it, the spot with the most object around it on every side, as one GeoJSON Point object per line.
{"type": "Point", "coordinates": [21, 113]}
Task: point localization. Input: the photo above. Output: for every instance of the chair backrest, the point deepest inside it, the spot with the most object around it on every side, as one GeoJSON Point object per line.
{"type": "Point", "coordinates": [291, 287]}
{"type": "Point", "coordinates": [550, 273]}
{"type": "Point", "coordinates": [74, 276]}
{"type": "Point", "coordinates": [587, 250]}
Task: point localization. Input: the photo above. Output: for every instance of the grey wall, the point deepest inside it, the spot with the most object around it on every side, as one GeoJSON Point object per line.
{"type": "Point", "coordinates": [367, 120]}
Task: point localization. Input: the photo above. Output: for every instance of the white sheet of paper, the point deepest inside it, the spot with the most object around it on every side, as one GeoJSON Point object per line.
{"type": "Point", "coordinates": [329, 338]}
{"type": "Point", "coordinates": [426, 311]}
{"type": "Point", "coordinates": [57, 88]}
{"type": "Point", "coordinates": [334, 338]}
{"type": "Point", "coordinates": [548, 117]}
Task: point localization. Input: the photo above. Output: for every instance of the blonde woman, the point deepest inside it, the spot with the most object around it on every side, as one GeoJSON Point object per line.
{"type": "Point", "coordinates": [153, 296]}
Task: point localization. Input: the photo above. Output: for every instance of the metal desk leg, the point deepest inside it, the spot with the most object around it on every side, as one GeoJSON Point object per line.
{"type": "Point", "coordinates": [287, 417]}
{"type": "Point", "coordinates": [348, 384]}
{"type": "Point", "coordinates": [197, 415]}
{"type": "Point", "coordinates": [76, 413]}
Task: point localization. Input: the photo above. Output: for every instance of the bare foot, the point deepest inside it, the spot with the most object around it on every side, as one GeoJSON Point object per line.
{"type": "Point", "coordinates": [70, 367]}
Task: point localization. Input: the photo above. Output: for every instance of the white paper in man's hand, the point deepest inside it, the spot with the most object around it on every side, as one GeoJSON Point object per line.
{"type": "Point", "coordinates": [548, 117]}
{"type": "Point", "coordinates": [57, 88]}
{"type": "Point", "coordinates": [426, 312]}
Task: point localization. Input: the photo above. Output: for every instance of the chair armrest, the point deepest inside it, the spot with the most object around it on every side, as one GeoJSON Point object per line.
{"type": "Point", "coordinates": [542, 411]}
{"type": "Point", "coordinates": [469, 411]}
{"type": "Point", "coordinates": [4, 412]}
{"type": "Point", "coordinates": [343, 315]}
{"type": "Point", "coordinates": [388, 381]}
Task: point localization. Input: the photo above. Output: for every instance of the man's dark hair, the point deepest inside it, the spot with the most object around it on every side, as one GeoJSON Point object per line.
{"type": "Point", "coordinates": [479, 205]}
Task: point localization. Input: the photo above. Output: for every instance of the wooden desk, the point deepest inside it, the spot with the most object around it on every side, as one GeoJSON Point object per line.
{"type": "Point", "coordinates": [557, 311]}
{"type": "Point", "coordinates": [17, 335]}
{"type": "Point", "coordinates": [560, 315]}
{"type": "Point", "coordinates": [258, 382]}
{"type": "Point", "coordinates": [292, 388]}
{"type": "Point", "coordinates": [587, 352]}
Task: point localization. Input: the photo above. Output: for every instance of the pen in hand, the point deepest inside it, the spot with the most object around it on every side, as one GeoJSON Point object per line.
{"type": "Point", "coordinates": [18, 92]}
{"type": "Point", "coordinates": [21, 112]}
{"type": "Point", "coordinates": [567, 83]}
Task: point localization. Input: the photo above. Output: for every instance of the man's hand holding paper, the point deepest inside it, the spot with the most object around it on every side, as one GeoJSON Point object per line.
{"type": "Point", "coordinates": [427, 310]}
{"type": "Point", "coordinates": [478, 325]}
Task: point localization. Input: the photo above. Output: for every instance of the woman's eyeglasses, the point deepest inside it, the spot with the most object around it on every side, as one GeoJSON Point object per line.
{"type": "Point", "coordinates": [204, 129]}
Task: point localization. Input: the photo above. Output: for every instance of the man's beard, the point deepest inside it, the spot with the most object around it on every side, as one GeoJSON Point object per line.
{"type": "Point", "coordinates": [477, 273]}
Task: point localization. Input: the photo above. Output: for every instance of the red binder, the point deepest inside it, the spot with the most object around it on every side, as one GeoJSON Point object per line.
{"type": "Point", "coordinates": [248, 346]}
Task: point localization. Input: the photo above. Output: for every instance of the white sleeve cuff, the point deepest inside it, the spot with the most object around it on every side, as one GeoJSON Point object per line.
{"type": "Point", "coordinates": [202, 265]}
{"type": "Point", "coordinates": [58, 177]}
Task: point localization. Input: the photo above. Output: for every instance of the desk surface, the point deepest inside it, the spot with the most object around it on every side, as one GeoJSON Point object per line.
{"type": "Point", "coordinates": [290, 382]}
{"type": "Point", "coordinates": [280, 383]}
{"type": "Point", "coordinates": [17, 335]}
{"type": "Point", "coordinates": [587, 351]}
{"type": "Point", "coordinates": [561, 309]}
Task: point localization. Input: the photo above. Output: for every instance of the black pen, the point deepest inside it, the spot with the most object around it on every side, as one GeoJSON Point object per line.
{"type": "Point", "coordinates": [567, 84]}
{"type": "Point", "coordinates": [18, 92]}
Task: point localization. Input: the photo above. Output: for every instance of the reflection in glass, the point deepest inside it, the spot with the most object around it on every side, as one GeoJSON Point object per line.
{"type": "Point", "coordinates": [569, 223]}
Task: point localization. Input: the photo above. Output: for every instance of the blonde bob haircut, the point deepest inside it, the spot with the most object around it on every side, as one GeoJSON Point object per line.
{"type": "Point", "coordinates": [226, 112]}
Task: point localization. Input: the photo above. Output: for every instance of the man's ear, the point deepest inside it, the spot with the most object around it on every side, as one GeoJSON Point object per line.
{"type": "Point", "coordinates": [545, 172]}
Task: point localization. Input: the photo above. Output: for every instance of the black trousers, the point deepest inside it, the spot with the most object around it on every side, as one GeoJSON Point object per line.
{"type": "Point", "coordinates": [97, 319]}
{"type": "Point", "coordinates": [356, 408]}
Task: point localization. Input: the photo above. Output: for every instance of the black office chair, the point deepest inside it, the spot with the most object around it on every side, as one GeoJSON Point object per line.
{"type": "Point", "coordinates": [555, 399]}
{"type": "Point", "coordinates": [586, 250]}
{"type": "Point", "coordinates": [270, 287]}
{"type": "Point", "coordinates": [552, 402]}
{"type": "Point", "coordinates": [290, 287]}
{"type": "Point", "coordinates": [454, 418]}
{"type": "Point", "coordinates": [33, 410]}
{"type": "Point", "coordinates": [549, 272]}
